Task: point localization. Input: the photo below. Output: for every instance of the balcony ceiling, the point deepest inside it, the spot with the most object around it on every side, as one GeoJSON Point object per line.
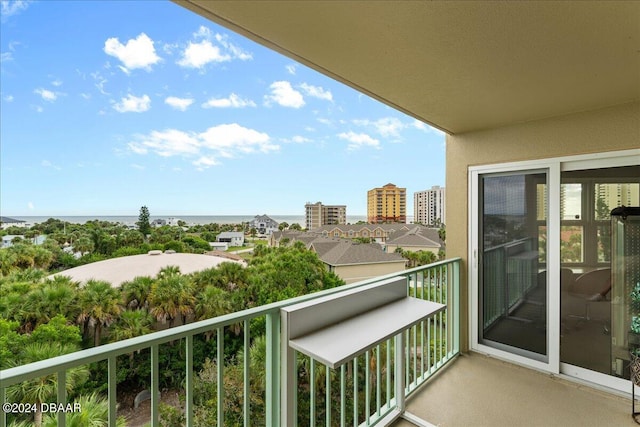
{"type": "Point", "coordinates": [460, 66]}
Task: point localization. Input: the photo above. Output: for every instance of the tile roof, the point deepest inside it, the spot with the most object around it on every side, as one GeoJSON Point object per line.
{"type": "Point", "coordinates": [345, 253]}
{"type": "Point", "coordinates": [418, 236]}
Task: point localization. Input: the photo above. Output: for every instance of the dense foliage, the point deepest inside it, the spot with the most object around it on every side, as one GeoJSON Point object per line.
{"type": "Point", "coordinates": [43, 317]}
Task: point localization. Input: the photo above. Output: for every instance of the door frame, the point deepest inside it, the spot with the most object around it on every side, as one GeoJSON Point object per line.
{"type": "Point", "coordinates": [552, 170]}
{"type": "Point", "coordinates": [553, 166]}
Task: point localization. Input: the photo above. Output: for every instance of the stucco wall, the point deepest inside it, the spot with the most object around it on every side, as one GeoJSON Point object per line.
{"type": "Point", "coordinates": [355, 273]}
{"type": "Point", "coordinates": [610, 129]}
{"type": "Point", "coordinates": [392, 248]}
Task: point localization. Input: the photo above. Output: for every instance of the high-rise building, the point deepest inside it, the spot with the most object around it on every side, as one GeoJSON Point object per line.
{"type": "Point", "coordinates": [429, 206]}
{"type": "Point", "coordinates": [387, 204]}
{"type": "Point", "coordinates": [317, 215]}
{"type": "Point", "coordinates": [611, 195]}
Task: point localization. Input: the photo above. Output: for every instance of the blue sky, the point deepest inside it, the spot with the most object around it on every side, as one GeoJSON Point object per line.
{"type": "Point", "coordinates": [108, 106]}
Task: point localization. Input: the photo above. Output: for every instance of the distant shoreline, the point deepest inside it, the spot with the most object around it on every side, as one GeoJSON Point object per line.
{"type": "Point", "coordinates": [188, 219]}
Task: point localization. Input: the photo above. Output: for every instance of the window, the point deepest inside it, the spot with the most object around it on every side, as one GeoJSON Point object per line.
{"type": "Point", "coordinates": [587, 198]}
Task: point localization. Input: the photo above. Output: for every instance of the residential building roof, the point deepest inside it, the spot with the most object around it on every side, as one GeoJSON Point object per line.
{"type": "Point", "coordinates": [264, 218]}
{"type": "Point", "coordinates": [348, 253]}
{"type": "Point", "coordinates": [230, 234]}
{"type": "Point", "coordinates": [357, 227]}
{"type": "Point", "coordinates": [336, 251]}
{"type": "Point", "coordinates": [416, 236]}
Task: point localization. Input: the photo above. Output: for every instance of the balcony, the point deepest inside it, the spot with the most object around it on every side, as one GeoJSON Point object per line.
{"type": "Point", "coordinates": [363, 391]}
{"type": "Point", "coordinates": [476, 390]}
{"type": "Point", "coordinates": [472, 390]}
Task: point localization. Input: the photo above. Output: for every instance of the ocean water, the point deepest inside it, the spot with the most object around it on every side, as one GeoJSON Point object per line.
{"type": "Point", "coordinates": [189, 219]}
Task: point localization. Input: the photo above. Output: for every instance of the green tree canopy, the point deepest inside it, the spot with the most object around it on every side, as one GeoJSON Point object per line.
{"type": "Point", "coordinates": [144, 226]}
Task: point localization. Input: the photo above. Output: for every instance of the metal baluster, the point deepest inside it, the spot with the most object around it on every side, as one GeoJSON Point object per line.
{"type": "Point", "coordinates": [155, 386]}
{"type": "Point", "coordinates": [62, 396]}
{"type": "Point", "coordinates": [189, 381]}
{"type": "Point", "coordinates": [220, 375]}
{"type": "Point", "coordinates": [246, 379]}
{"type": "Point", "coordinates": [111, 392]}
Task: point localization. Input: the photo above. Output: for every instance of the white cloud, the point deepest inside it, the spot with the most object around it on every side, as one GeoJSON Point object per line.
{"type": "Point", "coordinates": [297, 139]}
{"type": "Point", "coordinates": [136, 53]}
{"type": "Point", "coordinates": [137, 166]}
{"type": "Point", "coordinates": [230, 139]}
{"type": "Point", "coordinates": [388, 127]}
{"type": "Point", "coordinates": [100, 82]}
{"type": "Point", "coordinates": [8, 98]}
{"type": "Point", "coordinates": [197, 55]}
{"type": "Point", "coordinates": [203, 50]}
{"type": "Point", "coordinates": [317, 92]}
{"type": "Point", "coordinates": [205, 162]}
{"type": "Point", "coordinates": [425, 127]}
{"type": "Point", "coordinates": [292, 68]}
{"type": "Point", "coordinates": [233, 101]}
{"type": "Point", "coordinates": [133, 104]}
{"type": "Point", "coordinates": [48, 164]}
{"type": "Point", "coordinates": [419, 125]}
{"type": "Point", "coordinates": [31, 206]}
{"type": "Point", "coordinates": [10, 8]}
{"type": "Point", "coordinates": [167, 143]}
{"type": "Point", "coordinates": [6, 57]}
{"type": "Point", "coordinates": [57, 82]}
{"type": "Point", "coordinates": [359, 140]}
{"type": "Point", "coordinates": [235, 51]}
{"type": "Point", "coordinates": [178, 103]}
{"type": "Point", "coordinates": [283, 94]}
{"type": "Point", "coordinates": [226, 140]}
{"type": "Point", "coordinates": [137, 147]}
{"type": "Point", "coordinates": [46, 95]}
{"type": "Point", "coordinates": [202, 33]}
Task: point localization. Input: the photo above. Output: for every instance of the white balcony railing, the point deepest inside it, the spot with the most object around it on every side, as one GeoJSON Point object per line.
{"type": "Point", "coordinates": [360, 392]}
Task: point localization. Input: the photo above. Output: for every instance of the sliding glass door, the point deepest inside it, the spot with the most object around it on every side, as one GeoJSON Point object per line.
{"type": "Point", "coordinates": [540, 263]}
{"type": "Point", "coordinates": [513, 312]}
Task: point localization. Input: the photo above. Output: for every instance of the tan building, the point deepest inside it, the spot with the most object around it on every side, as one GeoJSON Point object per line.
{"type": "Point", "coordinates": [317, 215]}
{"type": "Point", "coordinates": [354, 262]}
{"type": "Point", "coordinates": [351, 261]}
{"type": "Point", "coordinates": [387, 204]}
{"type": "Point", "coordinates": [429, 206]}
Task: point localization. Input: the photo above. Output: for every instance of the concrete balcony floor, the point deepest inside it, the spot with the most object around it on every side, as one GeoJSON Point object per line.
{"type": "Point", "coordinates": [481, 391]}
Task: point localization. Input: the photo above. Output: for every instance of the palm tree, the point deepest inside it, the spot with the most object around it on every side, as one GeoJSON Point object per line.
{"type": "Point", "coordinates": [171, 296]}
{"type": "Point", "coordinates": [99, 306]}
{"type": "Point", "coordinates": [232, 275]}
{"type": "Point", "coordinates": [83, 244]}
{"type": "Point", "coordinates": [8, 261]}
{"type": "Point", "coordinates": [59, 296]}
{"type": "Point", "coordinates": [95, 412]}
{"type": "Point", "coordinates": [202, 279]}
{"type": "Point", "coordinates": [41, 390]}
{"type": "Point", "coordinates": [13, 304]}
{"type": "Point", "coordinates": [130, 324]}
{"type": "Point", "coordinates": [170, 270]}
{"type": "Point", "coordinates": [135, 293]}
{"type": "Point", "coordinates": [211, 302]}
